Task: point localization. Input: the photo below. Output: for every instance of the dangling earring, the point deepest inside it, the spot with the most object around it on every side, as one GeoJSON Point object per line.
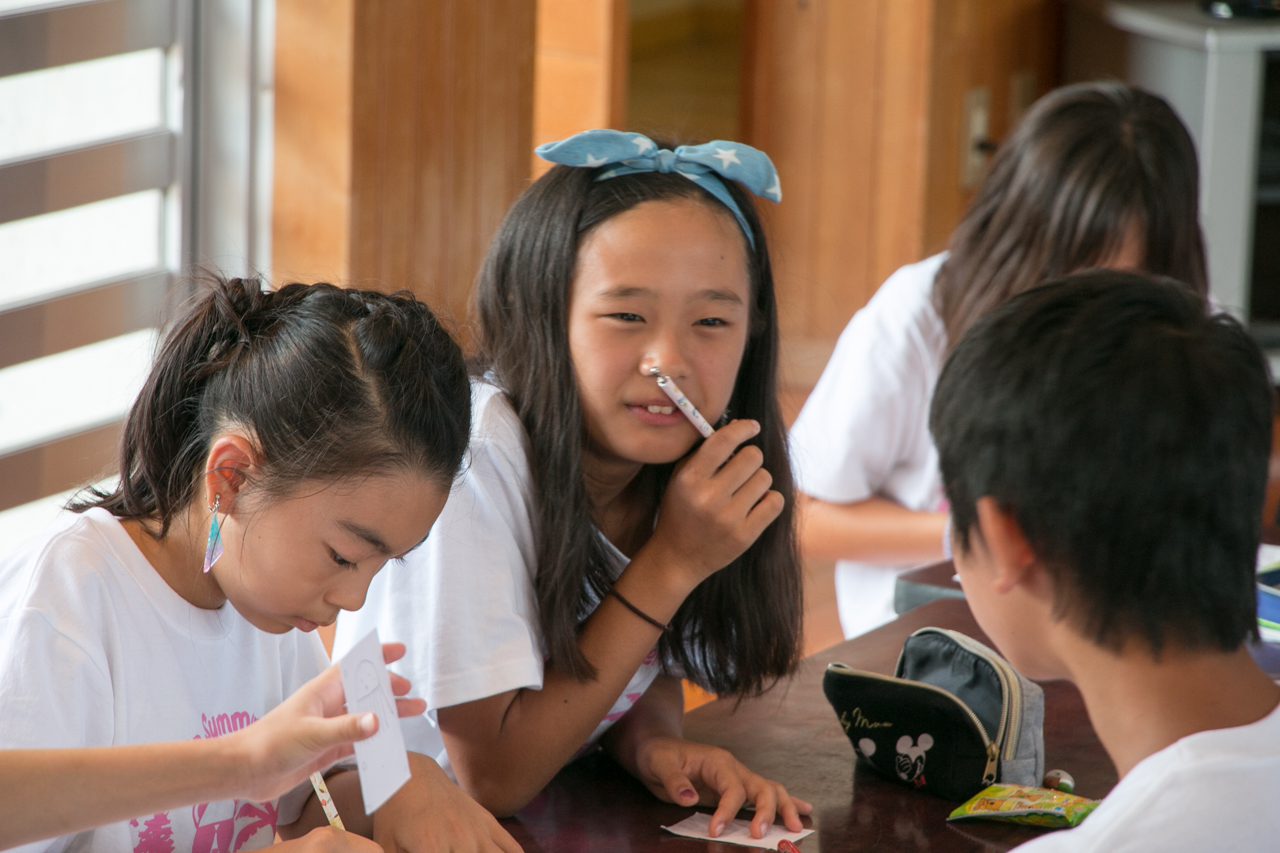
{"type": "Point", "coordinates": [213, 550]}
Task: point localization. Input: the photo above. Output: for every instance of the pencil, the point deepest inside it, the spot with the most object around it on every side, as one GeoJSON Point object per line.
{"type": "Point", "coordinates": [326, 801]}
{"type": "Point", "coordinates": [672, 390]}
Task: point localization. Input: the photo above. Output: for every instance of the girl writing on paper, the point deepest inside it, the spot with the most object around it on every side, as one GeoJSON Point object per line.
{"type": "Point", "coordinates": [45, 793]}
{"type": "Point", "coordinates": [284, 447]}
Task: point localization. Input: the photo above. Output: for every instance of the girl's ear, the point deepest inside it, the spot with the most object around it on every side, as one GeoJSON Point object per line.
{"type": "Point", "coordinates": [232, 462]}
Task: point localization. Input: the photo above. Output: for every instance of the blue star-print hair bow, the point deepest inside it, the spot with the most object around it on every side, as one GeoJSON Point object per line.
{"type": "Point", "coordinates": [630, 153]}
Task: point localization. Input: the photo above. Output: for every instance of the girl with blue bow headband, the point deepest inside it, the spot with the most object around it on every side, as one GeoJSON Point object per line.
{"type": "Point", "coordinates": [596, 549]}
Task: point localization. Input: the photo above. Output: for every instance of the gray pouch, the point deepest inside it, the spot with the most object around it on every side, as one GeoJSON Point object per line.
{"type": "Point", "coordinates": [1010, 708]}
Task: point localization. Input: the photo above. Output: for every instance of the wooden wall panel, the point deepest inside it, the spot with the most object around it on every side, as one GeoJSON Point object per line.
{"type": "Point", "coordinates": [860, 103]}
{"type": "Point", "coordinates": [901, 142]}
{"type": "Point", "coordinates": [837, 91]}
{"type": "Point", "coordinates": [312, 177]}
{"type": "Point", "coordinates": [981, 43]}
{"type": "Point", "coordinates": [580, 74]}
{"type": "Point", "coordinates": [843, 171]}
{"type": "Point", "coordinates": [781, 117]}
{"type": "Point", "coordinates": [441, 132]}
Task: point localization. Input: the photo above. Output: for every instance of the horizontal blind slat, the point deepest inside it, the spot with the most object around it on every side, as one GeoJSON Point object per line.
{"type": "Point", "coordinates": [30, 41]}
{"type": "Point", "coordinates": [74, 391]}
{"type": "Point", "coordinates": [69, 179]}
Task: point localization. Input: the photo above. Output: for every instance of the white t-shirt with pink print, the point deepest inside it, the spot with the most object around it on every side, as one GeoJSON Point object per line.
{"type": "Point", "coordinates": [97, 650]}
{"type": "Point", "coordinates": [464, 602]}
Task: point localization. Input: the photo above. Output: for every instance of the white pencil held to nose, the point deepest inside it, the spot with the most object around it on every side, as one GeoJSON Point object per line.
{"type": "Point", "coordinates": [672, 390]}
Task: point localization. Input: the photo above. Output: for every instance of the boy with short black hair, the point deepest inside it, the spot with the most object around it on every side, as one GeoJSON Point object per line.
{"type": "Point", "coordinates": [1104, 444]}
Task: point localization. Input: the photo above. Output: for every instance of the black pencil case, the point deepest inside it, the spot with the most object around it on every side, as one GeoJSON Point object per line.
{"type": "Point", "coordinates": [954, 718]}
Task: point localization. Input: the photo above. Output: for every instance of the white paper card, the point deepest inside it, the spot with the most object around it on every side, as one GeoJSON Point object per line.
{"type": "Point", "coordinates": [737, 832]}
{"type": "Point", "coordinates": [382, 760]}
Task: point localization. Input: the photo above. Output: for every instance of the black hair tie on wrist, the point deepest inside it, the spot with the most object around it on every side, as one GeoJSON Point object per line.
{"type": "Point", "coordinates": [636, 610]}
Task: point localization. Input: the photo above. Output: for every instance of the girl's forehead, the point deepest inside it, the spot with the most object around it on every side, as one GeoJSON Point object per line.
{"type": "Point", "coordinates": [667, 222]}
{"type": "Point", "coordinates": [679, 243]}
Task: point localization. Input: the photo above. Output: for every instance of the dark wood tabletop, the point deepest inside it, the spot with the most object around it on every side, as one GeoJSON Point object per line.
{"type": "Point", "coordinates": [791, 735]}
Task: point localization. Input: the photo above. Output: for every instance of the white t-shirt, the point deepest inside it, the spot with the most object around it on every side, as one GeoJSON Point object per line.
{"type": "Point", "coordinates": [463, 602]}
{"type": "Point", "coordinates": [864, 431]}
{"type": "Point", "coordinates": [1210, 791]}
{"type": "Point", "coordinates": [97, 650]}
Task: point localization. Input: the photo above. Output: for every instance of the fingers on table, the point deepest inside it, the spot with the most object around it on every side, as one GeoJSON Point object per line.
{"type": "Point", "coordinates": [732, 797]}
{"type": "Point", "coordinates": [765, 797]}
{"type": "Point", "coordinates": [790, 808]}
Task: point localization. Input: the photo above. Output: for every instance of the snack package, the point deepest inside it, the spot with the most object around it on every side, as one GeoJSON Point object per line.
{"type": "Point", "coordinates": [1024, 804]}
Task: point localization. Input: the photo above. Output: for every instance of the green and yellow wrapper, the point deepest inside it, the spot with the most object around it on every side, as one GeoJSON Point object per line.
{"type": "Point", "coordinates": [1026, 805]}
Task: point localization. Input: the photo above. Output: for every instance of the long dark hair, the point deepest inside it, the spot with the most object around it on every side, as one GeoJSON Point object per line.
{"type": "Point", "coordinates": [1087, 163]}
{"type": "Point", "coordinates": [739, 631]}
{"type": "Point", "coordinates": [327, 382]}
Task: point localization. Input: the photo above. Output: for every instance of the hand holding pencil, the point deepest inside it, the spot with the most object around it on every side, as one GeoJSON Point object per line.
{"type": "Point", "coordinates": [309, 731]}
{"type": "Point", "coordinates": [65, 791]}
{"type": "Point", "coordinates": [719, 499]}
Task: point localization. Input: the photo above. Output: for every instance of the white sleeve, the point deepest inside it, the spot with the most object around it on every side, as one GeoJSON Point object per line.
{"type": "Point", "coordinates": [463, 602]}
{"type": "Point", "coordinates": [867, 410]}
{"type": "Point", "coordinates": [53, 694]}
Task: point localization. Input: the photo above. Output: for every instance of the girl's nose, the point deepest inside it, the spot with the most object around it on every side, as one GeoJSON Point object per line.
{"type": "Point", "coordinates": [664, 356]}
{"type": "Point", "coordinates": [349, 593]}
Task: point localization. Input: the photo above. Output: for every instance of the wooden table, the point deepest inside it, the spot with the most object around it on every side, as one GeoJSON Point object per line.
{"type": "Point", "coordinates": [791, 735]}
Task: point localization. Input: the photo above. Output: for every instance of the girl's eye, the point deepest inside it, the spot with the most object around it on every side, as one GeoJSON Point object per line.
{"type": "Point", "coordinates": [346, 564]}
{"type": "Point", "coordinates": [711, 321]}
{"type": "Point", "coordinates": [627, 317]}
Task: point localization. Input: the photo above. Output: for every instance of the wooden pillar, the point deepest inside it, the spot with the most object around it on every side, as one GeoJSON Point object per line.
{"type": "Point", "coordinates": [403, 135]}
{"type": "Point", "coordinates": [311, 207]}
{"type": "Point", "coordinates": [582, 56]}
{"type": "Point", "coordinates": [441, 132]}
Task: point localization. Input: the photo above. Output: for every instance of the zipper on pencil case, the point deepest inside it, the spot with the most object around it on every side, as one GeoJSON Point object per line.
{"type": "Point", "coordinates": [992, 748]}
{"type": "Point", "coordinates": [1011, 698]}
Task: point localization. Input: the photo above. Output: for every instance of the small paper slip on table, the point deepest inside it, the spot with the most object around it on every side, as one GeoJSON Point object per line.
{"type": "Point", "coordinates": [736, 832]}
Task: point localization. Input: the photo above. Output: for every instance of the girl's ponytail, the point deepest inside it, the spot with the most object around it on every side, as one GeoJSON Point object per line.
{"type": "Point", "coordinates": [158, 439]}
{"type": "Point", "coordinates": [317, 375]}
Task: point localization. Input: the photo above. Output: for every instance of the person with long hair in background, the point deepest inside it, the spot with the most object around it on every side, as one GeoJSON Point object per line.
{"type": "Point", "coordinates": [1095, 175]}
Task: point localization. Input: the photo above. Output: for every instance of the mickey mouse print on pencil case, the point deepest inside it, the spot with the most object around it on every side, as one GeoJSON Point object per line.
{"type": "Point", "coordinates": [910, 760]}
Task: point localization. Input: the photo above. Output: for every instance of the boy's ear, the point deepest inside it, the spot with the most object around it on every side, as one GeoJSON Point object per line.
{"type": "Point", "coordinates": [232, 459]}
{"type": "Point", "coordinates": [1012, 559]}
